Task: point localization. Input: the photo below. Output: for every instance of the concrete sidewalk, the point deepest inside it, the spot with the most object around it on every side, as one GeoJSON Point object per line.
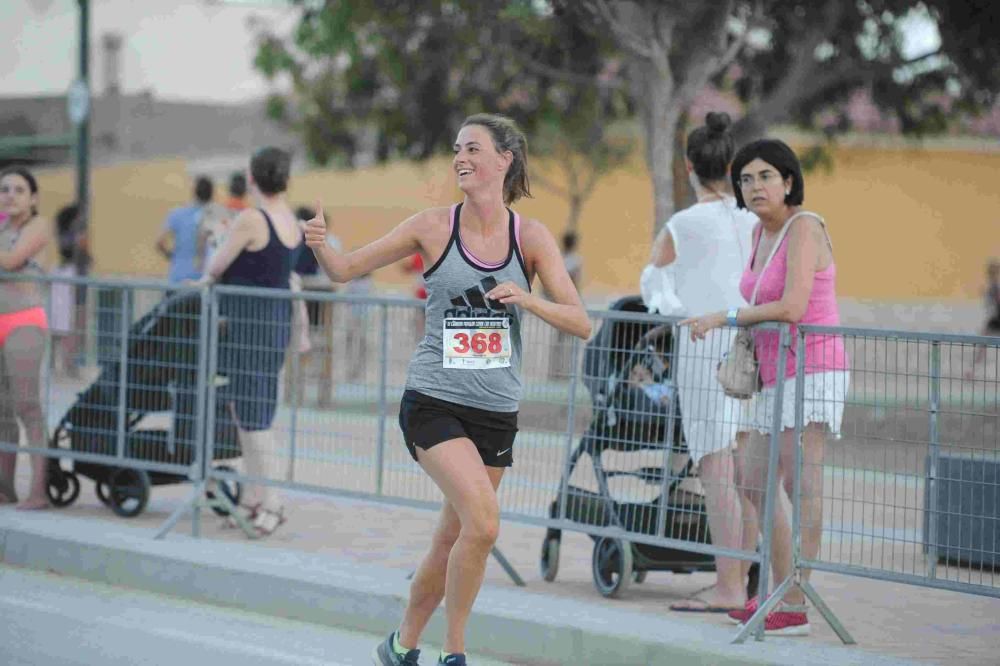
{"type": "Point", "coordinates": [523, 626]}
{"type": "Point", "coordinates": [343, 561]}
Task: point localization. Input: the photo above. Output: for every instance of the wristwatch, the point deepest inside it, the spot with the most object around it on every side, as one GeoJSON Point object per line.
{"type": "Point", "coordinates": [731, 316]}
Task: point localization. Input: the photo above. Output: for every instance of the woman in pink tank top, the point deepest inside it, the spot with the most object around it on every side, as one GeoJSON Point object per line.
{"type": "Point", "coordinates": [790, 277]}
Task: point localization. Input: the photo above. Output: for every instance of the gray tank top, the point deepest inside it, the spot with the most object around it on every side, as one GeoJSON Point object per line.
{"type": "Point", "coordinates": [16, 295]}
{"type": "Point", "coordinates": [471, 350]}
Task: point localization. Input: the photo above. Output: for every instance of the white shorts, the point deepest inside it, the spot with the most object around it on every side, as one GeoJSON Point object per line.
{"type": "Point", "coordinates": [823, 393]}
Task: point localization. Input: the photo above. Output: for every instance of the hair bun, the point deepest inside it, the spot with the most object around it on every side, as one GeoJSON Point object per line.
{"type": "Point", "coordinates": [717, 122]}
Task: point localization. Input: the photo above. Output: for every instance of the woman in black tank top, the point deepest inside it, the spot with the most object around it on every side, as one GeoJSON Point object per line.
{"type": "Point", "coordinates": [257, 330]}
{"type": "Point", "coordinates": [465, 448]}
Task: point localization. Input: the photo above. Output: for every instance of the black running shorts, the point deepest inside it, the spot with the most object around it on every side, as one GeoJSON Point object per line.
{"type": "Point", "coordinates": [428, 421]}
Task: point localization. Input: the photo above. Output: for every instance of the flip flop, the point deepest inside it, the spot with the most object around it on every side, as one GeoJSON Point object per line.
{"type": "Point", "coordinates": [703, 608]}
{"type": "Point", "coordinates": [268, 520]}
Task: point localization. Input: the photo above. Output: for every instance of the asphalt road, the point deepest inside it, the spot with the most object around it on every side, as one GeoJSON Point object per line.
{"type": "Point", "coordinates": [49, 620]}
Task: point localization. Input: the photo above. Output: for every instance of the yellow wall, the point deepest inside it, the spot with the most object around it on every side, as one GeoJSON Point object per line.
{"type": "Point", "coordinates": [907, 223]}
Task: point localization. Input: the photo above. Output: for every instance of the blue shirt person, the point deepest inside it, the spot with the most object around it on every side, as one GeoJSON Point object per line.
{"type": "Point", "coordinates": [179, 239]}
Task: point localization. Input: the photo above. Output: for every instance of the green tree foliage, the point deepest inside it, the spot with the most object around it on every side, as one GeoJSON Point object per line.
{"type": "Point", "coordinates": [579, 124]}
{"type": "Point", "coordinates": [411, 71]}
{"type": "Point", "coordinates": [812, 55]}
{"type": "Point", "coordinates": [393, 78]}
{"type": "Point", "coordinates": [407, 69]}
{"type": "Point", "coordinates": [789, 60]}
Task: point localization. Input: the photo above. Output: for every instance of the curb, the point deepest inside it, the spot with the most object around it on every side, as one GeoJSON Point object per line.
{"type": "Point", "coordinates": [515, 625]}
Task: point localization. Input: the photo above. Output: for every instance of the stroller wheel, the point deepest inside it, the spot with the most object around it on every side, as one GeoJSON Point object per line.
{"type": "Point", "coordinates": [612, 566]}
{"type": "Point", "coordinates": [63, 488]}
{"type": "Point", "coordinates": [549, 562]}
{"type": "Point", "coordinates": [232, 490]}
{"type": "Point", "coordinates": [103, 492]}
{"type": "Point", "coordinates": [639, 577]}
{"type": "Point", "coordinates": [128, 491]}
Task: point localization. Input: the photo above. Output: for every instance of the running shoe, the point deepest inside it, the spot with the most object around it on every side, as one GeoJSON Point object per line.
{"type": "Point", "coordinates": [384, 655]}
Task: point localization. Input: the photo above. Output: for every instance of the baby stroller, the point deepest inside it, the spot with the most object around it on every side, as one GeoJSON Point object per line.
{"type": "Point", "coordinates": [161, 377]}
{"type": "Point", "coordinates": [626, 368]}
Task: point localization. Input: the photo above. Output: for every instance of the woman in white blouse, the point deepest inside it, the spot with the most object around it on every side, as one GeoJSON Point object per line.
{"type": "Point", "coordinates": [702, 250]}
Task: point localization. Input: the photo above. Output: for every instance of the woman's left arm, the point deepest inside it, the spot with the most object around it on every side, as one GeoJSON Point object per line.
{"type": "Point", "coordinates": [804, 239]}
{"type": "Point", "coordinates": [565, 311]}
{"type": "Point", "coordinates": [32, 240]}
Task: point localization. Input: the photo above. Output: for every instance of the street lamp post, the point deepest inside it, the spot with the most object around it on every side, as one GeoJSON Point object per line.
{"type": "Point", "coordinates": [80, 106]}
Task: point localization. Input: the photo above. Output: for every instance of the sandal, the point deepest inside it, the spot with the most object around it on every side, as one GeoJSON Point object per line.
{"type": "Point", "coordinates": [695, 605]}
{"type": "Point", "coordinates": [268, 520]}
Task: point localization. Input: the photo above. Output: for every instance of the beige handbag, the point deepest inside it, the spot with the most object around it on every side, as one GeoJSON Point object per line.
{"type": "Point", "coordinates": [738, 372]}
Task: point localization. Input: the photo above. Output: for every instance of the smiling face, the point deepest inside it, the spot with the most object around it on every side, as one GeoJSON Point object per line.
{"type": "Point", "coordinates": [477, 163]}
{"type": "Point", "coordinates": [16, 197]}
{"type": "Point", "coordinates": [763, 188]}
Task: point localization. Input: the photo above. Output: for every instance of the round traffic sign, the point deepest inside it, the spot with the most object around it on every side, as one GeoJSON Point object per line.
{"type": "Point", "coordinates": [78, 102]}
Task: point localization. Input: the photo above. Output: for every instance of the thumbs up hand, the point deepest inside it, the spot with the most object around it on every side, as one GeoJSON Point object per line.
{"type": "Point", "coordinates": [314, 230]}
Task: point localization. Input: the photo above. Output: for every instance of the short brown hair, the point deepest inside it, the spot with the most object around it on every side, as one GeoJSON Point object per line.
{"type": "Point", "coordinates": [270, 168]}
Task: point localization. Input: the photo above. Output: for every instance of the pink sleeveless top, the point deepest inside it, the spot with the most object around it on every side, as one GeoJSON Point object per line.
{"type": "Point", "coordinates": [824, 353]}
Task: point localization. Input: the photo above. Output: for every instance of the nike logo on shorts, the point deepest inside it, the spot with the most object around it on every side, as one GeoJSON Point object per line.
{"type": "Point", "coordinates": [500, 453]}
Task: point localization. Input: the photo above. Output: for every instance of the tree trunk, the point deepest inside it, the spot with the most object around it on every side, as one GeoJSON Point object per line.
{"type": "Point", "coordinates": [654, 89]}
{"type": "Point", "coordinates": [575, 210]}
{"type": "Point", "coordinates": [683, 192]}
{"type": "Point", "coordinates": [749, 128]}
{"type": "Point", "coordinates": [664, 82]}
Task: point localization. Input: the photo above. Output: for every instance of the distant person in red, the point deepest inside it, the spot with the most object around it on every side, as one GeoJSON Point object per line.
{"type": "Point", "coordinates": [415, 265]}
{"type": "Point", "coordinates": [237, 199]}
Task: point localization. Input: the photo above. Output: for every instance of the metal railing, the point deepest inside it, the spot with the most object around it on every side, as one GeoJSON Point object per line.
{"type": "Point", "coordinates": [908, 491]}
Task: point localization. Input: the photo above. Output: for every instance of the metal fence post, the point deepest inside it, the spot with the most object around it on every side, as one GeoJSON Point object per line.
{"type": "Point", "coordinates": [48, 359]}
{"type": "Point", "coordinates": [126, 318]}
{"type": "Point", "coordinates": [382, 400]}
{"type": "Point", "coordinates": [767, 603]}
{"type": "Point", "coordinates": [570, 425]}
{"type": "Point", "coordinates": [205, 437]}
{"type": "Point", "coordinates": [933, 461]}
{"type": "Point", "coordinates": [295, 386]}
{"type": "Point", "coordinates": [574, 377]}
{"type": "Point", "coordinates": [800, 373]}
{"type": "Point", "coordinates": [667, 481]}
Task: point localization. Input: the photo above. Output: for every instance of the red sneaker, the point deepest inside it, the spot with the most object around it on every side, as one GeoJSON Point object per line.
{"type": "Point", "coordinates": [741, 616]}
{"type": "Point", "coordinates": [786, 623]}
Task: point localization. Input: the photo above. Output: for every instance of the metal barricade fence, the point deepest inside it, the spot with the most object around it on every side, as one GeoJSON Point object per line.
{"type": "Point", "coordinates": [132, 417]}
{"type": "Point", "coordinates": [639, 495]}
{"type": "Point", "coordinates": [155, 406]}
{"type": "Point", "coordinates": [908, 491]}
{"type": "Point", "coordinates": [332, 429]}
{"type": "Point", "coordinates": [335, 427]}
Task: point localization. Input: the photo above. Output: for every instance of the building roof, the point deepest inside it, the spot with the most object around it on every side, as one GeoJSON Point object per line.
{"type": "Point", "coordinates": [128, 127]}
